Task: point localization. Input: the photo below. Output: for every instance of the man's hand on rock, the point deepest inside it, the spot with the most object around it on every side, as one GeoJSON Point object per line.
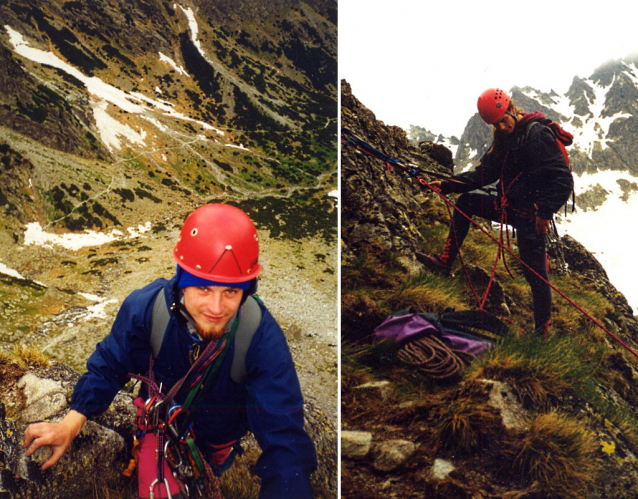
{"type": "Point", "coordinates": [56, 435]}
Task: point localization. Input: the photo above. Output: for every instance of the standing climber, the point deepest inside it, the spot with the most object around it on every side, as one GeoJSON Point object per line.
{"type": "Point", "coordinates": [193, 406]}
{"type": "Point", "coordinates": [533, 182]}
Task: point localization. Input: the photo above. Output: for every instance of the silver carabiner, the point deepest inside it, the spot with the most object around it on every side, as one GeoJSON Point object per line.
{"type": "Point", "coordinates": [169, 458]}
{"type": "Point", "coordinates": [168, 489]}
{"type": "Point", "coordinates": [151, 494]}
{"type": "Point", "coordinates": [155, 410]}
{"type": "Point", "coordinates": [173, 426]}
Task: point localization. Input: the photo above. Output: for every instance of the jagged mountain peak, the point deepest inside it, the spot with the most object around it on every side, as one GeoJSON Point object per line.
{"type": "Point", "coordinates": [600, 110]}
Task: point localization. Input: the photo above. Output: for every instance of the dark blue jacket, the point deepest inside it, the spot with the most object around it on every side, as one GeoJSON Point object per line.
{"type": "Point", "coordinates": [270, 403]}
{"type": "Point", "coordinates": [528, 166]}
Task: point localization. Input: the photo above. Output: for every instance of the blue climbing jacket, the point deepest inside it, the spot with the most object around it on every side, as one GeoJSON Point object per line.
{"type": "Point", "coordinates": [269, 404]}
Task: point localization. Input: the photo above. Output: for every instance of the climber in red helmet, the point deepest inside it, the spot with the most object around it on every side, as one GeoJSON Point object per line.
{"type": "Point", "coordinates": [533, 181]}
{"type": "Point", "coordinates": [214, 364]}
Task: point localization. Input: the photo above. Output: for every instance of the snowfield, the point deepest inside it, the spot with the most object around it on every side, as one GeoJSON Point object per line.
{"type": "Point", "coordinates": [608, 231]}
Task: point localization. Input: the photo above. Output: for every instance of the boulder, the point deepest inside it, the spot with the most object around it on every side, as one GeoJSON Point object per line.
{"type": "Point", "coordinates": [392, 454]}
{"type": "Point", "coordinates": [97, 455]}
{"type": "Point", "coordinates": [502, 398]}
{"type": "Point", "coordinates": [382, 389]}
{"type": "Point", "coordinates": [441, 469]}
{"type": "Point", "coordinates": [355, 444]}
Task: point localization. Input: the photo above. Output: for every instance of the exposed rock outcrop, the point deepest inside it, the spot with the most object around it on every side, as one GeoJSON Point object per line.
{"type": "Point", "coordinates": [97, 455]}
{"type": "Point", "coordinates": [101, 451]}
{"type": "Point", "coordinates": [486, 434]}
{"type": "Point", "coordinates": [377, 205]}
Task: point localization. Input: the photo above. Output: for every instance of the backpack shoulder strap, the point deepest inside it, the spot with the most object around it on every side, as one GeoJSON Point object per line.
{"type": "Point", "coordinates": [528, 129]}
{"type": "Point", "coordinates": [248, 325]}
{"type": "Point", "coordinates": [159, 322]}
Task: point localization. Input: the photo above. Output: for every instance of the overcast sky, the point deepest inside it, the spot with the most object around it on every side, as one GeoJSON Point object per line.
{"type": "Point", "coordinates": [425, 62]}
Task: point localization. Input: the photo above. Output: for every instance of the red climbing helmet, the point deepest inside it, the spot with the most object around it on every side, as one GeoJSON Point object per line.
{"type": "Point", "coordinates": [492, 105]}
{"type": "Point", "coordinates": [219, 242]}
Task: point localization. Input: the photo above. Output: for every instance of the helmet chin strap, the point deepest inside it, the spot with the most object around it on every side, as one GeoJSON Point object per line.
{"type": "Point", "coordinates": [512, 115]}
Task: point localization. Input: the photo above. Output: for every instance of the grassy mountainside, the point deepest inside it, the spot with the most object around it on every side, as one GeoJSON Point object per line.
{"type": "Point", "coordinates": [567, 421]}
{"type": "Point", "coordinates": [118, 118]}
{"type": "Point", "coordinates": [200, 98]}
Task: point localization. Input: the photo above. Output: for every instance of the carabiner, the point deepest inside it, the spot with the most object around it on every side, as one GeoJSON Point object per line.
{"type": "Point", "coordinates": [172, 462]}
{"type": "Point", "coordinates": [172, 422]}
{"type": "Point", "coordinates": [168, 488]}
{"type": "Point", "coordinates": [151, 494]}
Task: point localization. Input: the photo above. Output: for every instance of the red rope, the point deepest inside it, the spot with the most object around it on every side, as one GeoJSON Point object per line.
{"type": "Point", "coordinates": [481, 303]}
{"type": "Point", "coordinates": [449, 203]}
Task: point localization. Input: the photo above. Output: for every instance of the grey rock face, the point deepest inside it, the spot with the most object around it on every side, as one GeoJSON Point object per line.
{"type": "Point", "coordinates": [378, 207]}
{"type": "Point", "coordinates": [97, 453]}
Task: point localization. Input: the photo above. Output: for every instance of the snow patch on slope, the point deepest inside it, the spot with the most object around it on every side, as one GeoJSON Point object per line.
{"type": "Point", "coordinates": [171, 62]}
{"type": "Point", "coordinates": [605, 231]}
{"type": "Point", "coordinates": [132, 102]}
{"type": "Point", "coordinates": [111, 130]}
{"type": "Point", "coordinates": [35, 234]}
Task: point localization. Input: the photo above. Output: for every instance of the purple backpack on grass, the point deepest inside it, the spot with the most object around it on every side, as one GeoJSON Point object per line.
{"type": "Point", "coordinates": [441, 345]}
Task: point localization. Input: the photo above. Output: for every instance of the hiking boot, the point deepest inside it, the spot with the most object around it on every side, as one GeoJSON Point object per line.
{"type": "Point", "coordinates": [434, 262]}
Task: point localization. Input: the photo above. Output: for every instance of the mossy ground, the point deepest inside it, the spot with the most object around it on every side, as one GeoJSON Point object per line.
{"type": "Point", "coordinates": [555, 378]}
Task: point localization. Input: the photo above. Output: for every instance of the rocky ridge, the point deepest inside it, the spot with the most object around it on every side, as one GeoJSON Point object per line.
{"type": "Point", "coordinates": [385, 219]}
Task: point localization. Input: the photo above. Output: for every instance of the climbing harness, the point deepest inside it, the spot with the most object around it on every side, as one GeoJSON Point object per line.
{"type": "Point", "coordinates": [415, 172]}
{"type": "Point", "coordinates": [175, 449]}
{"type": "Point", "coordinates": [166, 427]}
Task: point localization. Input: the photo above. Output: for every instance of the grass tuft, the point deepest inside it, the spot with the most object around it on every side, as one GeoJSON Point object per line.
{"type": "Point", "coordinates": [557, 452]}
{"type": "Point", "coordinates": [426, 293]}
{"type": "Point", "coordinates": [28, 357]}
{"type": "Point", "coordinates": [238, 481]}
{"type": "Point", "coordinates": [370, 270]}
{"type": "Point", "coordinates": [464, 424]}
{"type": "Point", "coordinates": [541, 371]}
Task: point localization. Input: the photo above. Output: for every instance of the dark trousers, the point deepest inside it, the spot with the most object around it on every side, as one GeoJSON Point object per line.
{"type": "Point", "coordinates": [531, 246]}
